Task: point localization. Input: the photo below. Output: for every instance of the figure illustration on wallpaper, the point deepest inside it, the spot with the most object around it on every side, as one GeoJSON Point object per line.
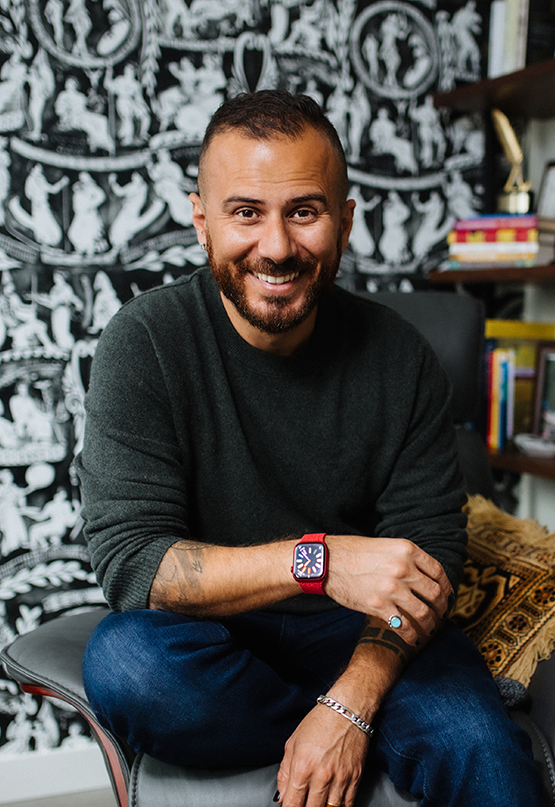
{"type": "Point", "coordinates": [51, 521]}
{"type": "Point", "coordinates": [132, 217]}
{"type": "Point", "coordinates": [467, 24]}
{"type": "Point", "coordinates": [33, 419]}
{"type": "Point", "coordinates": [41, 220]}
{"type": "Point", "coordinates": [361, 240]}
{"type": "Point", "coordinates": [13, 76]}
{"type": "Point", "coordinates": [461, 199]}
{"type": "Point", "coordinates": [311, 26]}
{"type": "Point", "coordinates": [42, 84]}
{"type": "Point", "coordinates": [74, 115]}
{"type": "Point", "coordinates": [8, 436]}
{"type": "Point", "coordinates": [131, 107]}
{"type": "Point", "coordinates": [62, 302]}
{"type": "Point", "coordinates": [177, 19]}
{"type": "Point", "coordinates": [431, 138]}
{"type": "Point", "coordinates": [106, 303]}
{"type": "Point", "coordinates": [54, 14]}
{"type": "Point", "coordinates": [21, 321]}
{"type": "Point", "coordinates": [171, 186]}
{"type": "Point", "coordinates": [12, 523]}
{"type": "Point", "coordinates": [119, 26]}
{"type": "Point", "coordinates": [434, 227]}
{"type": "Point", "coordinates": [393, 244]}
{"type": "Point", "coordinates": [77, 17]}
{"type": "Point", "coordinates": [86, 229]}
{"type": "Point", "coordinates": [385, 140]}
{"type": "Point", "coordinates": [5, 180]}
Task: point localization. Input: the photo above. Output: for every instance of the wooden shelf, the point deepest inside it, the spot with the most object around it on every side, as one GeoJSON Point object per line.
{"type": "Point", "coordinates": [521, 464]}
{"type": "Point", "coordinates": [529, 92]}
{"type": "Point", "coordinates": [512, 274]}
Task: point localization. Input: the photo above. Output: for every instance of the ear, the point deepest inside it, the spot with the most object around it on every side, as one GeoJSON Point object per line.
{"type": "Point", "coordinates": [199, 217]}
{"type": "Point", "coordinates": [347, 222]}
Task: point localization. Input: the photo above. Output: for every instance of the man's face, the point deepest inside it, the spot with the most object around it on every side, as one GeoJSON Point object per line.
{"type": "Point", "coordinates": [275, 227]}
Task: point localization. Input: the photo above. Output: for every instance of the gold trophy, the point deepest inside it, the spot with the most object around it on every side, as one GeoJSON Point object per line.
{"type": "Point", "coordinates": [515, 197]}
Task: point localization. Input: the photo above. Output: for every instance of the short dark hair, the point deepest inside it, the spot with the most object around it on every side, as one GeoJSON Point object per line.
{"type": "Point", "coordinates": [269, 113]}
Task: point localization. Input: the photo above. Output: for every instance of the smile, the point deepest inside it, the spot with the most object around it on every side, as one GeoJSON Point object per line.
{"type": "Point", "coordinates": [277, 281]}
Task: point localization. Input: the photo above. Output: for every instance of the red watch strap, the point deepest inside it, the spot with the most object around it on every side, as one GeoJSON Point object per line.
{"type": "Point", "coordinates": [313, 586]}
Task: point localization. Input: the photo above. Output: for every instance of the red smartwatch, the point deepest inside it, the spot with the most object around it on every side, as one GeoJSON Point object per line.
{"type": "Point", "coordinates": [310, 563]}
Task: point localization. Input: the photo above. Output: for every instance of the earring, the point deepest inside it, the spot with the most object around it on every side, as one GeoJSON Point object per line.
{"type": "Point", "coordinates": [203, 246]}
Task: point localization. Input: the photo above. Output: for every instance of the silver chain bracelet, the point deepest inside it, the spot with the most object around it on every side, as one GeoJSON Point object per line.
{"type": "Point", "coordinates": [342, 710]}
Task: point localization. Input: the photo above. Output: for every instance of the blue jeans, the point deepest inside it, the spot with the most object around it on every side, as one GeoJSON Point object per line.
{"type": "Point", "coordinates": [228, 693]}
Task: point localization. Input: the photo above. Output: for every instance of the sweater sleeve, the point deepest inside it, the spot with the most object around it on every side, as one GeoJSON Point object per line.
{"type": "Point", "coordinates": [131, 469]}
{"type": "Point", "coordinates": [425, 493]}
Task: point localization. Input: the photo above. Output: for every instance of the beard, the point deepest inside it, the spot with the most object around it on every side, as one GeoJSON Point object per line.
{"type": "Point", "coordinates": [276, 315]}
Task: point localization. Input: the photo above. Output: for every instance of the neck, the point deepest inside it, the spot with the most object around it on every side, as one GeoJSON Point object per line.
{"type": "Point", "coordinates": [282, 344]}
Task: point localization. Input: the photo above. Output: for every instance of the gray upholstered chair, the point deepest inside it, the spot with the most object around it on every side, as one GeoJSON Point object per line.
{"type": "Point", "coordinates": [48, 660]}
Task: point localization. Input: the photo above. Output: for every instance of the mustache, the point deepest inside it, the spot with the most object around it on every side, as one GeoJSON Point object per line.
{"type": "Point", "coordinates": [265, 266]}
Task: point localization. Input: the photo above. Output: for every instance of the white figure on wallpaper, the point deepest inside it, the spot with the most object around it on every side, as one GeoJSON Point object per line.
{"type": "Point", "coordinates": [132, 218]}
{"type": "Point", "coordinates": [86, 229]}
{"type": "Point", "coordinates": [12, 524]}
{"type": "Point", "coordinates": [13, 76]}
{"type": "Point", "coordinates": [172, 99]}
{"type": "Point", "coordinates": [203, 11]}
{"type": "Point", "coordinates": [467, 135]}
{"type": "Point", "coordinates": [8, 436]}
{"type": "Point", "coordinates": [176, 13]}
{"type": "Point", "coordinates": [430, 132]}
{"type": "Point", "coordinates": [18, 735]}
{"type": "Point", "coordinates": [41, 86]}
{"type": "Point", "coordinates": [192, 119]}
{"type": "Point", "coordinates": [46, 731]}
{"type": "Point", "coordinates": [309, 29]}
{"type": "Point", "coordinates": [434, 227]}
{"type": "Point", "coordinates": [52, 521]}
{"type": "Point", "coordinates": [54, 13]}
{"type": "Point", "coordinates": [71, 108]}
{"type": "Point", "coordinates": [106, 302]}
{"type": "Point", "coordinates": [120, 24]}
{"type": "Point", "coordinates": [462, 202]}
{"type": "Point", "coordinates": [20, 319]}
{"type": "Point", "coordinates": [394, 240]}
{"type": "Point", "coordinates": [361, 240]}
{"type": "Point", "coordinates": [448, 51]}
{"type": "Point", "coordinates": [466, 24]}
{"type": "Point", "coordinates": [383, 134]}
{"type": "Point", "coordinates": [76, 738]}
{"type": "Point", "coordinates": [77, 16]}
{"type": "Point", "coordinates": [359, 118]}
{"type": "Point", "coordinates": [130, 104]}
{"type": "Point", "coordinates": [422, 61]}
{"type": "Point", "coordinates": [62, 301]}
{"type": "Point", "coordinates": [32, 422]}
{"type": "Point", "coordinates": [171, 187]}
{"type": "Point", "coordinates": [394, 27]}
{"type": "Point", "coordinates": [5, 162]}
{"type": "Point", "coordinates": [41, 220]}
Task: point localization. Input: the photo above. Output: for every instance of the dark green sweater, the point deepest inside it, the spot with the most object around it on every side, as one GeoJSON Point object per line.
{"type": "Point", "coordinates": [191, 432]}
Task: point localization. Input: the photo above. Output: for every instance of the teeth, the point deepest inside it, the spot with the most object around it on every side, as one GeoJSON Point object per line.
{"type": "Point", "coordinates": [277, 281]}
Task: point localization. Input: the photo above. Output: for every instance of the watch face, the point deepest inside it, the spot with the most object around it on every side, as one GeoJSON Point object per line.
{"type": "Point", "coordinates": [309, 561]}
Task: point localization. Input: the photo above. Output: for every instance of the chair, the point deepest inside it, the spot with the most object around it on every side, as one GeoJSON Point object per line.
{"type": "Point", "coordinates": [47, 661]}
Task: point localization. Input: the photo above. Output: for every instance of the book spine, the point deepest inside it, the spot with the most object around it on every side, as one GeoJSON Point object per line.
{"type": "Point", "coordinates": [497, 222]}
{"type": "Point", "coordinates": [501, 235]}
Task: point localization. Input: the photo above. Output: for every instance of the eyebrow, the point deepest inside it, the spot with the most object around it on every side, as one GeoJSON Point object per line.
{"type": "Point", "coordinates": [296, 200]}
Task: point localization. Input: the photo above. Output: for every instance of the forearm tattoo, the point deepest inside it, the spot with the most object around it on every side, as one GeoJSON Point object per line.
{"type": "Point", "coordinates": [384, 637]}
{"type": "Point", "coordinates": [178, 580]}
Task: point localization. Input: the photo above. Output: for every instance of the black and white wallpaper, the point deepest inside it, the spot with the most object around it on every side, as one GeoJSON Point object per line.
{"type": "Point", "coordinates": [103, 105]}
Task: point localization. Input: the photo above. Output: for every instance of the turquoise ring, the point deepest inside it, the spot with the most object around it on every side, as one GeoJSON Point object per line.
{"type": "Point", "coordinates": [395, 621]}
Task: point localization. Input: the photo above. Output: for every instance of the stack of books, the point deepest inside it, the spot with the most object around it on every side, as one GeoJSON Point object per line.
{"type": "Point", "coordinates": [510, 377]}
{"type": "Point", "coordinates": [500, 240]}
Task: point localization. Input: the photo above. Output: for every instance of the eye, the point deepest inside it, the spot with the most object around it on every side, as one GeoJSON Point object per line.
{"type": "Point", "coordinates": [246, 213]}
{"type": "Point", "coordinates": [304, 213]}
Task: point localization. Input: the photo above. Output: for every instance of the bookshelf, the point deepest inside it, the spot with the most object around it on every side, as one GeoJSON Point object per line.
{"type": "Point", "coordinates": [528, 93]}
{"type": "Point", "coordinates": [512, 274]}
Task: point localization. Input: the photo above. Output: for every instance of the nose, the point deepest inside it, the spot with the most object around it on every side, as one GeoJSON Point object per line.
{"type": "Point", "coordinates": [275, 242]}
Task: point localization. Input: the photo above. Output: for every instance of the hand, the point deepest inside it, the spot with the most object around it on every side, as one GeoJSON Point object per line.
{"type": "Point", "coordinates": [323, 761]}
{"type": "Point", "coordinates": [385, 576]}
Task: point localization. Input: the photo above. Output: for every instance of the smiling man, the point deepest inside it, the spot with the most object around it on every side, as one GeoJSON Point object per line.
{"type": "Point", "coordinates": [273, 504]}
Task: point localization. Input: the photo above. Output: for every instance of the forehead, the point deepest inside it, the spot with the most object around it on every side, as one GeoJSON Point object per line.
{"type": "Point", "coordinates": [278, 167]}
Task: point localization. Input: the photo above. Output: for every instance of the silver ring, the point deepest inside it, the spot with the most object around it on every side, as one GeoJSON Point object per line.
{"type": "Point", "coordinates": [395, 621]}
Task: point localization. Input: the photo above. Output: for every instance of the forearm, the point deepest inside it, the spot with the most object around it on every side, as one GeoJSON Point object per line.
{"type": "Point", "coordinates": [202, 580]}
{"type": "Point", "coordinates": [379, 660]}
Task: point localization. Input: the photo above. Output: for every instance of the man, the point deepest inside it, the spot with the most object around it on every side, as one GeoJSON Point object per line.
{"type": "Point", "coordinates": [234, 418]}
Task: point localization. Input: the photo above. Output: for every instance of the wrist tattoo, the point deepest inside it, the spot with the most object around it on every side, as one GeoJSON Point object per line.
{"type": "Point", "coordinates": [177, 580]}
{"type": "Point", "coordinates": [384, 637]}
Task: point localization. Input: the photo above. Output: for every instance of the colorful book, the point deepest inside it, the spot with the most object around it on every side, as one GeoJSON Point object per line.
{"type": "Point", "coordinates": [500, 235]}
{"type": "Point", "coordinates": [498, 221]}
